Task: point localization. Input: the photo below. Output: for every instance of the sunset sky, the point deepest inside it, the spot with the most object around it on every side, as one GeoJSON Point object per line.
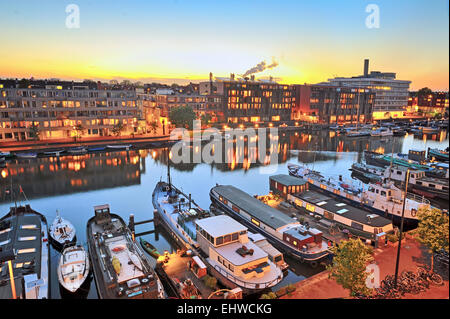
{"type": "Point", "coordinates": [181, 41]}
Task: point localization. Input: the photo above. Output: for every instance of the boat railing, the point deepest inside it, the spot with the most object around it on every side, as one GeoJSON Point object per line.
{"type": "Point", "coordinates": [417, 198]}
{"type": "Point", "coordinates": [245, 284]}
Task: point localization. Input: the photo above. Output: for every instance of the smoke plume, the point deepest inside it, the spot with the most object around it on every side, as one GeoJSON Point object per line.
{"type": "Point", "coordinates": [260, 67]}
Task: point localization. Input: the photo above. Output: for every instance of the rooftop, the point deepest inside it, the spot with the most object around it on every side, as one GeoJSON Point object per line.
{"type": "Point", "coordinates": [266, 214]}
{"type": "Point", "coordinates": [288, 180]}
{"type": "Point", "coordinates": [220, 225]}
{"type": "Point", "coordinates": [337, 207]}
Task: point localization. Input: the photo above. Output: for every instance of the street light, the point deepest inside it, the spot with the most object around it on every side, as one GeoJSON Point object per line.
{"type": "Point", "coordinates": [7, 256]}
{"type": "Point", "coordinates": [401, 228]}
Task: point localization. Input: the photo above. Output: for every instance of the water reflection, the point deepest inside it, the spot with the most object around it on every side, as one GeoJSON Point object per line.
{"type": "Point", "coordinates": [71, 174]}
{"type": "Point", "coordinates": [125, 180]}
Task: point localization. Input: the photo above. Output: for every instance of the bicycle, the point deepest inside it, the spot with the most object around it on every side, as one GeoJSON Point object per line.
{"type": "Point", "coordinates": [426, 273]}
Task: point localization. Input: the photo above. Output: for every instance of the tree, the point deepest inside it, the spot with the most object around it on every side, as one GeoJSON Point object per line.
{"type": "Point", "coordinates": [349, 265]}
{"type": "Point", "coordinates": [79, 129]}
{"type": "Point", "coordinates": [118, 128]}
{"type": "Point", "coordinates": [182, 116]}
{"type": "Point", "coordinates": [432, 230]}
{"type": "Point", "coordinates": [34, 131]}
{"type": "Point", "coordinates": [154, 126]}
{"type": "Point", "coordinates": [205, 118]}
{"type": "Point", "coordinates": [424, 91]}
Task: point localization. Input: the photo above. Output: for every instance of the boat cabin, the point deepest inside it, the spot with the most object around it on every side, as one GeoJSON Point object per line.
{"type": "Point", "coordinates": [226, 243]}
{"type": "Point", "coordinates": [398, 173]}
{"type": "Point", "coordinates": [416, 155]}
{"type": "Point", "coordinates": [283, 185]}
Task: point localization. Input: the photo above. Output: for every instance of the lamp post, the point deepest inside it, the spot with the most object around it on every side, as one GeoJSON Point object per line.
{"type": "Point", "coordinates": [401, 228]}
{"type": "Point", "coordinates": [7, 256]}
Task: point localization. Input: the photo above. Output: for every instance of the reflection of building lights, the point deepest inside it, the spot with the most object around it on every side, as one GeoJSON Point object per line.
{"type": "Point", "coordinates": [4, 173]}
{"type": "Point", "coordinates": [270, 124]}
{"type": "Point", "coordinates": [170, 155]}
{"type": "Point", "coordinates": [154, 154]}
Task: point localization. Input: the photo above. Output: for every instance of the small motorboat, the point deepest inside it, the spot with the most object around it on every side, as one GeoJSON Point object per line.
{"type": "Point", "coordinates": [119, 146]}
{"type": "Point", "coordinates": [54, 153]}
{"type": "Point", "coordinates": [62, 231]}
{"type": "Point", "coordinates": [96, 149]}
{"type": "Point", "coordinates": [73, 267]}
{"type": "Point", "coordinates": [6, 154]}
{"type": "Point", "coordinates": [77, 150]}
{"type": "Point", "coordinates": [26, 155]}
{"type": "Point", "coordinates": [149, 248]}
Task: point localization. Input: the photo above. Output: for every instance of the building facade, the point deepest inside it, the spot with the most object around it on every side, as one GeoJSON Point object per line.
{"type": "Point", "coordinates": [250, 101]}
{"type": "Point", "coordinates": [391, 95]}
{"type": "Point", "coordinates": [333, 105]}
{"type": "Point", "coordinates": [61, 109]}
{"type": "Point", "coordinates": [431, 105]}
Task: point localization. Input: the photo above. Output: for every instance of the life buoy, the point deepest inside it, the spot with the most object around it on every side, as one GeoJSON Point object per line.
{"type": "Point", "coordinates": [413, 212]}
{"type": "Point", "coordinates": [313, 264]}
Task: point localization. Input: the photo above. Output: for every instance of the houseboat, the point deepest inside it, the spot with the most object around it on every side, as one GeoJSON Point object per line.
{"type": "Point", "coordinates": [284, 232]}
{"type": "Point", "coordinates": [232, 258]}
{"type": "Point", "coordinates": [437, 154]}
{"type": "Point", "coordinates": [220, 241]}
{"type": "Point", "coordinates": [419, 183]}
{"type": "Point", "coordinates": [121, 269]}
{"type": "Point", "coordinates": [360, 223]}
{"type": "Point", "coordinates": [24, 243]}
{"type": "Point", "coordinates": [366, 172]}
{"type": "Point", "coordinates": [384, 199]}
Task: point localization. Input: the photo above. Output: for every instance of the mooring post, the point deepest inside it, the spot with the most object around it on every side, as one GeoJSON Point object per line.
{"type": "Point", "coordinates": [131, 226]}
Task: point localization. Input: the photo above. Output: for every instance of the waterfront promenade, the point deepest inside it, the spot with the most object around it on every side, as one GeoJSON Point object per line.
{"type": "Point", "coordinates": [412, 255]}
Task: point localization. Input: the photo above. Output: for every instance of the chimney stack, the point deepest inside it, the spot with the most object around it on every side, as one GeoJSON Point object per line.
{"type": "Point", "coordinates": [232, 76]}
{"type": "Point", "coordinates": [252, 78]}
{"type": "Point", "coordinates": [366, 67]}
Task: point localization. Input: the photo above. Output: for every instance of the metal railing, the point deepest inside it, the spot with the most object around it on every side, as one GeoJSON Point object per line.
{"type": "Point", "coordinates": [244, 283]}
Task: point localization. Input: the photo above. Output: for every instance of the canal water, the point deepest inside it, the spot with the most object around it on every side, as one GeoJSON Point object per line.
{"type": "Point", "coordinates": [125, 181]}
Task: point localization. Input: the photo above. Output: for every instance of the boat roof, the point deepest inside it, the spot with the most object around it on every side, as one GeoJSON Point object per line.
{"type": "Point", "coordinates": [340, 208]}
{"type": "Point", "coordinates": [22, 233]}
{"type": "Point", "coordinates": [220, 225]}
{"type": "Point", "coordinates": [288, 180]}
{"type": "Point", "coordinates": [229, 252]}
{"type": "Point", "coordinates": [254, 207]}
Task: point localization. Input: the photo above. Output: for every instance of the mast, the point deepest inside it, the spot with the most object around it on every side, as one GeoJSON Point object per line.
{"type": "Point", "coordinates": [392, 159]}
{"type": "Point", "coordinates": [168, 167]}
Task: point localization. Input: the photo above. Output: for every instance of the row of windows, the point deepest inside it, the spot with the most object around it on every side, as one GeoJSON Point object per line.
{"type": "Point", "coordinates": [225, 263]}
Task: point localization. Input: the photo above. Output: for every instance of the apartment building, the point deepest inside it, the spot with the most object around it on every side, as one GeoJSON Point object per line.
{"type": "Point", "coordinates": [250, 100]}
{"type": "Point", "coordinates": [391, 94]}
{"type": "Point", "coordinates": [332, 105]}
{"type": "Point", "coordinates": [53, 109]}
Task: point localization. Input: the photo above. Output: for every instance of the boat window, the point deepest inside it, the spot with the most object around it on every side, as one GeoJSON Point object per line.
{"type": "Point", "coordinates": [28, 226]}
{"type": "Point", "coordinates": [236, 209]}
{"type": "Point", "coordinates": [399, 173]}
{"type": "Point", "coordinates": [376, 191]}
{"type": "Point", "coordinates": [432, 185]}
{"type": "Point", "coordinates": [254, 221]}
{"type": "Point", "coordinates": [235, 236]}
{"type": "Point", "coordinates": [383, 193]}
{"type": "Point", "coordinates": [27, 238]}
{"type": "Point", "coordinates": [278, 258]}
{"type": "Point", "coordinates": [26, 250]}
{"type": "Point", "coordinates": [230, 266]}
{"type": "Point", "coordinates": [357, 225]}
{"type": "Point", "coordinates": [219, 259]}
{"type": "Point", "coordinates": [226, 239]}
{"type": "Point", "coordinates": [419, 183]}
{"type": "Point", "coordinates": [219, 240]}
{"type": "Point", "coordinates": [243, 232]}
